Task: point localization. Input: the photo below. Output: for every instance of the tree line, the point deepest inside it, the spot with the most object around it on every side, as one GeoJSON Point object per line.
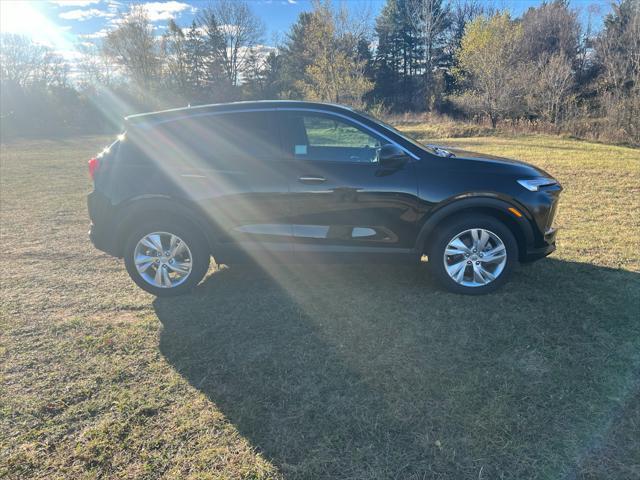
{"type": "Point", "coordinates": [455, 57]}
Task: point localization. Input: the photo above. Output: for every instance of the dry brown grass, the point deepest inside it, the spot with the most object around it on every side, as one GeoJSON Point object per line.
{"type": "Point", "coordinates": [324, 372]}
{"type": "Point", "coordinates": [433, 125]}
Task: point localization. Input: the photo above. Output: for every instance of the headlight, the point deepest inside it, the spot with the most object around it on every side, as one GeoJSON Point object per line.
{"type": "Point", "coordinates": [534, 184]}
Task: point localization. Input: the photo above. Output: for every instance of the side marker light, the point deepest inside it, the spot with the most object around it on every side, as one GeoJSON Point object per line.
{"type": "Point", "coordinates": [515, 212]}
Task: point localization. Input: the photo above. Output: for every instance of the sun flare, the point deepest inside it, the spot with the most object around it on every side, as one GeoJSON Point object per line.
{"type": "Point", "coordinates": [25, 18]}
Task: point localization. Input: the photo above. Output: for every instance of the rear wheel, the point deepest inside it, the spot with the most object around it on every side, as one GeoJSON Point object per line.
{"type": "Point", "coordinates": [166, 258]}
{"type": "Point", "coordinates": [472, 254]}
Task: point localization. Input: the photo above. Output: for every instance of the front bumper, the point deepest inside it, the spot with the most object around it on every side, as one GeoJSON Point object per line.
{"type": "Point", "coordinates": [543, 206]}
{"type": "Point", "coordinates": [548, 247]}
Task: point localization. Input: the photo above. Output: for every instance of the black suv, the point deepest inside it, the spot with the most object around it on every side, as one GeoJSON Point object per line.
{"type": "Point", "coordinates": [308, 182]}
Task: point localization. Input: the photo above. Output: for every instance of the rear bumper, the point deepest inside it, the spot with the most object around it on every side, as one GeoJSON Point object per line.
{"type": "Point", "coordinates": [102, 231]}
{"type": "Point", "coordinates": [102, 242]}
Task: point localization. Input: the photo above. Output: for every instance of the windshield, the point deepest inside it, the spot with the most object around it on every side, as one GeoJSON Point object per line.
{"type": "Point", "coordinates": [397, 132]}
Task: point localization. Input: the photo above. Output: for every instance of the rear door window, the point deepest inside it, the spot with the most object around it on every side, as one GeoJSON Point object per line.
{"type": "Point", "coordinates": [242, 137]}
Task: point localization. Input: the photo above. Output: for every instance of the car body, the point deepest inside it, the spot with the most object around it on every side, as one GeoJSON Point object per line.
{"type": "Point", "coordinates": [306, 182]}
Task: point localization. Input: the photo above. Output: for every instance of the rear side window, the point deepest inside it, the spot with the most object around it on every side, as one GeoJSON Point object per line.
{"type": "Point", "coordinates": [210, 141]}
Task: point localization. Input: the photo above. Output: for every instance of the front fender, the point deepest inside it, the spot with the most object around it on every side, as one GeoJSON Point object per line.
{"type": "Point", "coordinates": [485, 202]}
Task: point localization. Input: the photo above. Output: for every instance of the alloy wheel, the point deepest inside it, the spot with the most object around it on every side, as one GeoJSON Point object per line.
{"type": "Point", "coordinates": [163, 259]}
{"type": "Point", "coordinates": [475, 257]}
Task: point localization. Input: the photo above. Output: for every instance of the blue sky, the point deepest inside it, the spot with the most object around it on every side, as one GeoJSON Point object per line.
{"type": "Point", "coordinates": [62, 23]}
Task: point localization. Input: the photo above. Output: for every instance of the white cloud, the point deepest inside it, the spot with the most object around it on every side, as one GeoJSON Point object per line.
{"type": "Point", "coordinates": [74, 3]}
{"type": "Point", "coordinates": [99, 34]}
{"type": "Point", "coordinates": [82, 15]}
{"type": "Point", "coordinates": [158, 11]}
{"type": "Point", "coordinates": [113, 5]}
{"type": "Point", "coordinates": [70, 55]}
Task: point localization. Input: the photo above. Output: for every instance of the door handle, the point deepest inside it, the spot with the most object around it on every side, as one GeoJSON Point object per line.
{"type": "Point", "coordinates": [311, 179]}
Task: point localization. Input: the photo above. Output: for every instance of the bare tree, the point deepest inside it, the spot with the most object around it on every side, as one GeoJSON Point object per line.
{"type": "Point", "coordinates": [34, 91]}
{"type": "Point", "coordinates": [549, 83]}
{"type": "Point", "coordinates": [618, 47]}
{"type": "Point", "coordinates": [238, 31]}
{"type": "Point", "coordinates": [548, 29]}
{"type": "Point", "coordinates": [24, 63]}
{"type": "Point", "coordinates": [618, 52]}
{"type": "Point", "coordinates": [94, 68]}
{"type": "Point", "coordinates": [134, 48]}
{"type": "Point", "coordinates": [54, 70]}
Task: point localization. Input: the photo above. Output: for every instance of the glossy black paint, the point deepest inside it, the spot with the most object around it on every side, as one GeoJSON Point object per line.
{"type": "Point", "coordinates": [256, 195]}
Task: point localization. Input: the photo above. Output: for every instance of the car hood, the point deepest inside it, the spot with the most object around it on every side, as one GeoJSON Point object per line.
{"type": "Point", "coordinates": [473, 159]}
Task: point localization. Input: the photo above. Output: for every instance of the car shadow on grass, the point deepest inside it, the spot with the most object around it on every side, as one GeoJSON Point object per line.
{"type": "Point", "coordinates": [372, 372]}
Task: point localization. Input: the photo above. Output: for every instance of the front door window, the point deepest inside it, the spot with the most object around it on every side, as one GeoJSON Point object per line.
{"type": "Point", "coordinates": [327, 138]}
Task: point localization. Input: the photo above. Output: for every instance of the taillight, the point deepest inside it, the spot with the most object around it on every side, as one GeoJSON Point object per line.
{"type": "Point", "coordinates": [94, 163]}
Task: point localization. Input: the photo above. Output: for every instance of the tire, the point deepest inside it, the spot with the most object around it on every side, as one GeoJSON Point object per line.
{"type": "Point", "coordinates": [176, 266]}
{"type": "Point", "coordinates": [467, 228]}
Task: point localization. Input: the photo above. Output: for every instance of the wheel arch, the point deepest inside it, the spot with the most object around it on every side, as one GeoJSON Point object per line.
{"type": "Point", "coordinates": [160, 207]}
{"type": "Point", "coordinates": [494, 207]}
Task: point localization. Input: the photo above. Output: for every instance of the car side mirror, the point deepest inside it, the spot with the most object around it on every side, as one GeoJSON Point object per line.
{"type": "Point", "coordinates": [392, 156]}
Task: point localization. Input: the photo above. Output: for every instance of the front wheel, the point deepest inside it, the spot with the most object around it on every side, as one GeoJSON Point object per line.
{"type": "Point", "coordinates": [166, 259]}
{"type": "Point", "coordinates": [472, 254]}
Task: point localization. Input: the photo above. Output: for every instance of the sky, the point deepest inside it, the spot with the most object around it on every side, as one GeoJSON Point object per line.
{"type": "Point", "coordinates": [62, 24]}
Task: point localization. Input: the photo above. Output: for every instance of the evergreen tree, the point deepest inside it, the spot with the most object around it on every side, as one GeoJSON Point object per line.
{"type": "Point", "coordinates": [263, 75]}
{"type": "Point", "coordinates": [430, 21]}
{"type": "Point", "coordinates": [212, 47]}
{"type": "Point", "coordinates": [195, 59]}
{"type": "Point", "coordinates": [295, 56]}
{"type": "Point", "coordinates": [398, 56]}
{"type": "Point", "coordinates": [272, 75]}
{"type": "Point", "coordinates": [175, 62]}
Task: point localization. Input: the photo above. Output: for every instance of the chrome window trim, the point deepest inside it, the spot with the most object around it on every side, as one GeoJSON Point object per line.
{"type": "Point", "coordinates": [283, 109]}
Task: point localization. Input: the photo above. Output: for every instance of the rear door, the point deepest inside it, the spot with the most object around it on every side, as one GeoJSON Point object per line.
{"type": "Point", "coordinates": [232, 165]}
{"type": "Point", "coordinates": [342, 200]}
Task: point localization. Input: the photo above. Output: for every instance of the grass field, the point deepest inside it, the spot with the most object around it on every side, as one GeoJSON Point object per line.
{"type": "Point", "coordinates": [321, 372]}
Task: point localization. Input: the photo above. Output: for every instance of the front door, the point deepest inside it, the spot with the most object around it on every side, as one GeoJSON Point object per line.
{"type": "Point", "coordinates": [342, 200]}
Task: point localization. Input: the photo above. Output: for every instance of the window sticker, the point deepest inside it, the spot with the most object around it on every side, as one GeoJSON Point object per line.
{"type": "Point", "coordinates": [301, 149]}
